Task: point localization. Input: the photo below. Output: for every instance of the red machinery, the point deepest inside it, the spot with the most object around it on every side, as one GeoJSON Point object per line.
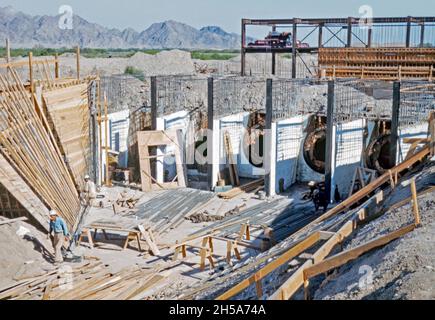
{"type": "Point", "coordinates": [277, 40]}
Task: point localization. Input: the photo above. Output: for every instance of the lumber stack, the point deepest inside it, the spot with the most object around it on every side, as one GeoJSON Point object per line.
{"type": "Point", "coordinates": [377, 63]}
{"type": "Point", "coordinates": [91, 281]}
{"type": "Point", "coordinates": [248, 187]}
{"type": "Point", "coordinates": [68, 116]}
{"type": "Point", "coordinates": [28, 145]}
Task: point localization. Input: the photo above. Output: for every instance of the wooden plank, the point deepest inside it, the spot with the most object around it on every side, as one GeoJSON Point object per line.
{"type": "Point", "coordinates": [289, 287]}
{"type": "Point", "coordinates": [415, 208]}
{"type": "Point", "coordinates": [2, 222]}
{"type": "Point", "coordinates": [351, 254]}
{"type": "Point", "coordinates": [263, 272]}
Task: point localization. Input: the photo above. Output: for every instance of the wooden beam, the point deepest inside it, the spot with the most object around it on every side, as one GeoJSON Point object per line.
{"type": "Point", "coordinates": [305, 244]}
{"type": "Point", "coordinates": [78, 62]}
{"type": "Point", "coordinates": [2, 222]}
{"type": "Point", "coordinates": [289, 287]}
{"type": "Point", "coordinates": [372, 186]}
{"type": "Point", "coordinates": [415, 203]}
{"type": "Point", "coordinates": [351, 254]}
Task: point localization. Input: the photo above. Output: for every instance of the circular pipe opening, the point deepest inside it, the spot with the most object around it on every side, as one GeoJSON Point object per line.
{"type": "Point", "coordinates": [315, 150]}
{"type": "Point", "coordinates": [378, 155]}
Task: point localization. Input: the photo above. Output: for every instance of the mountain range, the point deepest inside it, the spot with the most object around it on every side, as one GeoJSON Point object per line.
{"type": "Point", "coordinates": [27, 31]}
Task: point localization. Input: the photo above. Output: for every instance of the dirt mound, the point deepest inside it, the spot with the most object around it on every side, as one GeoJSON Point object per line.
{"type": "Point", "coordinates": [404, 269]}
{"type": "Point", "coordinates": [24, 251]}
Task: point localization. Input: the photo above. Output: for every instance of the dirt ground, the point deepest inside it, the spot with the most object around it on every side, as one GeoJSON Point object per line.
{"type": "Point", "coordinates": [403, 269]}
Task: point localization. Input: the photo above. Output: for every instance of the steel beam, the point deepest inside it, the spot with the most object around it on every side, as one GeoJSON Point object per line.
{"type": "Point", "coordinates": [408, 31]}
{"type": "Point", "coordinates": [242, 51]}
{"type": "Point", "coordinates": [294, 53]}
{"type": "Point", "coordinates": [349, 32]}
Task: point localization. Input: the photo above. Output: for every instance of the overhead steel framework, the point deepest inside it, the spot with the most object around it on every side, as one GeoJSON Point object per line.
{"type": "Point", "coordinates": [342, 32]}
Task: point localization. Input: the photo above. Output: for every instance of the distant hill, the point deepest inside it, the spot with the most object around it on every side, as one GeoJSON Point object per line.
{"type": "Point", "coordinates": [27, 31]}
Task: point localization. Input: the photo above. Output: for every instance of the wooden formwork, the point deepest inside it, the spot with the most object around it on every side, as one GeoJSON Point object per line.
{"type": "Point", "coordinates": [29, 146]}
{"type": "Point", "coordinates": [377, 63]}
{"type": "Point", "coordinates": [69, 117]}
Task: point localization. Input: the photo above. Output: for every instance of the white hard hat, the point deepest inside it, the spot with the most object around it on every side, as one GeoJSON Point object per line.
{"type": "Point", "coordinates": [87, 177]}
{"type": "Point", "coordinates": [52, 213]}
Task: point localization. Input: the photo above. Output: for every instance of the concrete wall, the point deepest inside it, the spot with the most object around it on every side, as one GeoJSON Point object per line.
{"type": "Point", "coordinates": [236, 126]}
{"type": "Point", "coordinates": [289, 134]}
{"type": "Point", "coordinates": [180, 121]}
{"type": "Point", "coordinates": [119, 123]}
{"type": "Point", "coordinates": [349, 139]}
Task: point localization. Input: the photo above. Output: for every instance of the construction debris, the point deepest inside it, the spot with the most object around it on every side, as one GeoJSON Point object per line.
{"type": "Point", "coordinates": [91, 281]}
{"type": "Point", "coordinates": [205, 216]}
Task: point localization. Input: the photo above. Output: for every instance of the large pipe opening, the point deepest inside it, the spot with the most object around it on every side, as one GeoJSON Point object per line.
{"type": "Point", "coordinates": [378, 155]}
{"type": "Point", "coordinates": [314, 149]}
{"type": "Point", "coordinates": [254, 139]}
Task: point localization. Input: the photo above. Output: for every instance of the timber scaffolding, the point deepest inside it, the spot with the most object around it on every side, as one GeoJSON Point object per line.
{"type": "Point", "coordinates": [386, 36]}
{"type": "Point", "coordinates": [47, 138]}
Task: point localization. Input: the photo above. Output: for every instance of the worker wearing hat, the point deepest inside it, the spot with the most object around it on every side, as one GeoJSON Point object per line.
{"type": "Point", "coordinates": [89, 191]}
{"type": "Point", "coordinates": [60, 233]}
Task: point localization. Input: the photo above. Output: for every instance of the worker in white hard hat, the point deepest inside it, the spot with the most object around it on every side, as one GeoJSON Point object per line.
{"type": "Point", "coordinates": [60, 233]}
{"type": "Point", "coordinates": [89, 191]}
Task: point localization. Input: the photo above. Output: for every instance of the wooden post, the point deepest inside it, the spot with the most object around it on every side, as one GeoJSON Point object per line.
{"type": "Point", "coordinates": [8, 51]}
{"type": "Point", "coordinates": [78, 62]}
{"type": "Point", "coordinates": [415, 203]}
{"type": "Point", "coordinates": [56, 66]}
{"type": "Point", "coordinates": [106, 128]}
{"type": "Point", "coordinates": [32, 87]}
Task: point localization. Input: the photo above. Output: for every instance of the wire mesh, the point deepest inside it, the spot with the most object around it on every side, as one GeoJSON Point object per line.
{"type": "Point", "coordinates": [417, 100]}
{"type": "Point", "coordinates": [362, 99]}
{"type": "Point", "coordinates": [177, 93]}
{"type": "Point", "coordinates": [125, 91]}
{"type": "Point", "coordinates": [298, 97]}
{"type": "Point", "coordinates": [234, 95]}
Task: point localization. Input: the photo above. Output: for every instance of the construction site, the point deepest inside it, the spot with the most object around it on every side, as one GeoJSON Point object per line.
{"type": "Point", "coordinates": [293, 171]}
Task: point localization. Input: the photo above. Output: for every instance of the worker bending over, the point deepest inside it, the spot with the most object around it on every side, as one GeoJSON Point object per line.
{"type": "Point", "coordinates": [90, 191]}
{"type": "Point", "coordinates": [60, 233]}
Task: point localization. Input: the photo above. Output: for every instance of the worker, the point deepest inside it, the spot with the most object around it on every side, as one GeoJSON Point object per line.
{"type": "Point", "coordinates": [60, 234]}
{"type": "Point", "coordinates": [90, 191]}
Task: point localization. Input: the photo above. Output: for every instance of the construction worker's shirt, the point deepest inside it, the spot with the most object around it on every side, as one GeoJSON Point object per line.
{"type": "Point", "coordinates": [90, 189]}
{"type": "Point", "coordinates": [59, 226]}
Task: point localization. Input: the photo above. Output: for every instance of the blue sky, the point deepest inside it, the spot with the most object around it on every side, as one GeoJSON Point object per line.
{"type": "Point", "coordinates": [139, 14]}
